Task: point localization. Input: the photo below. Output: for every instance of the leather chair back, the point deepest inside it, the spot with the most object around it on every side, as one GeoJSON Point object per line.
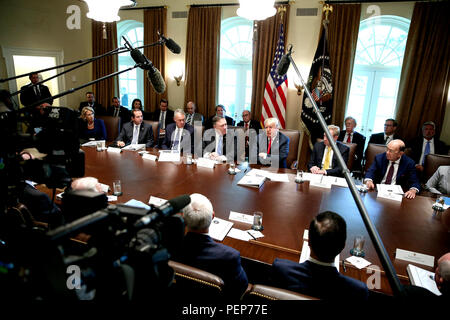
{"type": "Point", "coordinates": [294, 139]}
{"type": "Point", "coordinates": [195, 283]}
{"type": "Point", "coordinates": [259, 292]}
{"type": "Point", "coordinates": [432, 163]}
{"type": "Point", "coordinates": [154, 125]}
{"type": "Point", "coordinates": [372, 150]}
{"type": "Point", "coordinates": [351, 155]}
{"type": "Point", "coordinates": [112, 125]}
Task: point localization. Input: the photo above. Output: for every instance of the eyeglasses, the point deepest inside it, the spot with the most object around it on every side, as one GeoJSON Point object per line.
{"type": "Point", "coordinates": [388, 125]}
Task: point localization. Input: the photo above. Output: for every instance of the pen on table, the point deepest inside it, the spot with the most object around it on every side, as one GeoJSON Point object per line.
{"type": "Point", "coordinates": [251, 235]}
{"type": "Point", "coordinates": [321, 179]}
{"type": "Point", "coordinates": [343, 266]}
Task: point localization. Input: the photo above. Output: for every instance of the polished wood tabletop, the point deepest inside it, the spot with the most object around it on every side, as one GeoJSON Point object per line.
{"type": "Point", "coordinates": [287, 208]}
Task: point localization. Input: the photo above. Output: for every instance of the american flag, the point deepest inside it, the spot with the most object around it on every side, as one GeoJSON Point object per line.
{"type": "Point", "coordinates": [274, 103]}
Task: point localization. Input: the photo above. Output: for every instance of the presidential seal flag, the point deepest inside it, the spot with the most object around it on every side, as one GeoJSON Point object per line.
{"type": "Point", "coordinates": [275, 92]}
{"type": "Point", "coordinates": [321, 87]}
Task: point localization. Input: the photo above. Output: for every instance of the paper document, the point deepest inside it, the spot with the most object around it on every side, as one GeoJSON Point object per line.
{"type": "Point", "coordinates": [415, 257]}
{"type": "Point", "coordinates": [340, 182]}
{"type": "Point", "coordinates": [358, 262]}
{"type": "Point", "coordinates": [422, 278]}
{"type": "Point", "coordinates": [134, 147]}
{"type": "Point", "coordinates": [156, 201]}
{"type": "Point", "coordinates": [321, 181]}
{"type": "Point", "coordinates": [206, 163]}
{"type": "Point", "coordinates": [219, 228]}
{"type": "Point", "coordinates": [280, 177]}
{"type": "Point", "coordinates": [239, 234]}
{"type": "Point", "coordinates": [137, 203]}
{"type": "Point", "coordinates": [149, 156]}
{"type": "Point", "coordinates": [90, 144]}
{"type": "Point", "coordinates": [169, 156]}
{"type": "Point", "coordinates": [105, 187]}
{"type": "Point", "coordinates": [114, 150]}
{"type": "Point", "coordinates": [255, 234]}
{"type": "Point", "coordinates": [112, 198]}
{"type": "Point", "coordinates": [306, 251]}
{"type": "Point", "coordinates": [241, 217]}
{"type": "Point", "coordinates": [252, 181]}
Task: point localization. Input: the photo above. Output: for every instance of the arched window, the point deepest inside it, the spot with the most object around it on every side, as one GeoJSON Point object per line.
{"type": "Point", "coordinates": [235, 70]}
{"type": "Point", "coordinates": [130, 83]}
{"type": "Point", "coordinates": [376, 72]}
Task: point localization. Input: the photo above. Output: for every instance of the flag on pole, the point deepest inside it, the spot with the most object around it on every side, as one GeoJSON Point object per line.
{"type": "Point", "coordinates": [275, 92]}
{"type": "Point", "coordinates": [321, 87]}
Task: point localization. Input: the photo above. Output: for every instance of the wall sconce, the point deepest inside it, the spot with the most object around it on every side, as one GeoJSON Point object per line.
{"type": "Point", "coordinates": [299, 88]}
{"type": "Point", "coordinates": [178, 79]}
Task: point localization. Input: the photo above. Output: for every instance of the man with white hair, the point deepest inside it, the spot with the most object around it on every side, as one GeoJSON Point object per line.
{"type": "Point", "coordinates": [179, 135]}
{"type": "Point", "coordinates": [87, 183]}
{"type": "Point", "coordinates": [323, 160]}
{"type": "Point", "coordinates": [199, 250]}
{"type": "Point", "coordinates": [273, 146]}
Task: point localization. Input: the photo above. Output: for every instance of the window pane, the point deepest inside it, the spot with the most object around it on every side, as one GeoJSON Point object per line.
{"type": "Point", "coordinates": [388, 87]}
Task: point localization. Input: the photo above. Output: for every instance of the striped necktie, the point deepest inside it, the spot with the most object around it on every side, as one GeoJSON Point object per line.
{"type": "Point", "coordinates": [189, 119]}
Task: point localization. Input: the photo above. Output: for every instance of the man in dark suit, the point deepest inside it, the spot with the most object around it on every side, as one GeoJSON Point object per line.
{"type": "Point", "coordinates": [98, 108]}
{"type": "Point", "coordinates": [351, 136]}
{"type": "Point", "coordinates": [323, 160]}
{"type": "Point", "coordinates": [136, 131]}
{"type": "Point", "coordinates": [248, 123]}
{"type": "Point", "coordinates": [164, 116]}
{"type": "Point", "coordinates": [32, 94]}
{"type": "Point", "coordinates": [116, 110]}
{"type": "Point", "coordinates": [426, 144]}
{"type": "Point", "coordinates": [199, 250]}
{"type": "Point", "coordinates": [318, 276]}
{"type": "Point", "coordinates": [191, 115]}
{"type": "Point", "coordinates": [179, 135]}
{"type": "Point", "coordinates": [215, 143]}
{"type": "Point", "coordinates": [220, 112]}
{"type": "Point", "coordinates": [390, 126]}
{"type": "Point", "coordinates": [393, 167]}
{"type": "Point", "coordinates": [272, 147]}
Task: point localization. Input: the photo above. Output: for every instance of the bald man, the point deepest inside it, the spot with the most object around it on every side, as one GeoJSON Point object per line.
{"type": "Point", "coordinates": [393, 167]}
{"type": "Point", "coordinates": [442, 274]}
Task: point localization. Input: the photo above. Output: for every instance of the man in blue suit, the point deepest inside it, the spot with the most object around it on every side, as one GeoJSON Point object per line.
{"type": "Point", "coordinates": [393, 167]}
{"type": "Point", "coordinates": [199, 250]}
{"type": "Point", "coordinates": [318, 276]}
{"type": "Point", "coordinates": [179, 135]}
{"type": "Point", "coordinates": [323, 160]}
{"type": "Point", "coordinates": [272, 147]}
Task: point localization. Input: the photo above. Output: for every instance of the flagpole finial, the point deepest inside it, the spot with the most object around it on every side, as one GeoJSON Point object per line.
{"type": "Point", "coordinates": [327, 9]}
{"type": "Point", "coordinates": [281, 10]}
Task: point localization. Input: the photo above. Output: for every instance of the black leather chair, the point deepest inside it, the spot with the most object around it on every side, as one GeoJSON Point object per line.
{"type": "Point", "coordinates": [372, 150]}
{"type": "Point", "coordinates": [112, 125]}
{"type": "Point", "coordinates": [294, 138]}
{"type": "Point", "coordinates": [261, 293]}
{"type": "Point", "coordinates": [432, 163]}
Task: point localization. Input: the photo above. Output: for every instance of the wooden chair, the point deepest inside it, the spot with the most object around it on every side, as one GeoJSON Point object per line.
{"type": "Point", "coordinates": [261, 293]}
{"type": "Point", "coordinates": [112, 125]}
{"type": "Point", "coordinates": [196, 284]}
{"type": "Point", "coordinates": [294, 138]}
{"type": "Point", "coordinates": [432, 163]}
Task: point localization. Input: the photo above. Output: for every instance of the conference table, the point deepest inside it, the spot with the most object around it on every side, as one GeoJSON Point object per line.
{"type": "Point", "coordinates": [287, 209]}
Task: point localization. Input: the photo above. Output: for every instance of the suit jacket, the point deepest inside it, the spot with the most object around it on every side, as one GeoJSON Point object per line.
{"type": "Point", "coordinates": [145, 134]}
{"type": "Point", "coordinates": [440, 181]}
{"type": "Point", "coordinates": [209, 124]}
{"type": "Point", "coordinates": [169, 137]}
{"type": "Point", "coordinates": [360, 141]}
{"type": "Point", "coordinates": [201, 251]}
{"type": "Point", "coordinates": [406, 173]}
{"type": "Point", "coordinates": [416, 146]}
{"type": "Point", "coordinates": [318, 281]}
{"type": "Point", "coordinates": [378, 138]}
{"type": "Point", "coordinates": [124, 114]}
{"type": "Point", "coordinates": [319, 152]}
{"type": "Point", "coordinates": [98, 133]}
{"type": "Point", "coordinates": [211, 140]}
{"type": "Point", "coordinates": [28, 97]}
{"type": "Point", "coordinates": [169, 117]}
{"type": "Point", "coordinates": [253, 125]}
{"type": "Point", "coordinates": [279, 149]}
{"type": "Point", "coordinates": [98, 108]}
{"type": "Point", "coordinates": [196, 117]}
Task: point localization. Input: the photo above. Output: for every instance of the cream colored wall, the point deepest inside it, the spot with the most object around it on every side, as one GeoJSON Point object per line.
{"type": "Point", "coordinates": [41, 25]}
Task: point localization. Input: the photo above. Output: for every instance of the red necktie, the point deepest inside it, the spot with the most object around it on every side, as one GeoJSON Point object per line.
{"type": "Point", "coordinates": [390, 174]}
{"type": "Point", "coordinates": [246, 126]}
{"type": "Point", "coordinates": [349, 138]}
{"type": "Point", "coordinates": [270, 143]}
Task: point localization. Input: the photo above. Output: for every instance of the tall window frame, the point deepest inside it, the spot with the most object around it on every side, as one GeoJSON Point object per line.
{"type": "Point", "coordinates": [131, 83]}
{"type": "Point", "coordinates": [376, 72]}
{"type": "Point", "coordinates": [235, 66]}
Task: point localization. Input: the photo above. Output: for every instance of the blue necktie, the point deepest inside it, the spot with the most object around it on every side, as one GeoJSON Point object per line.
{"type": "Point", "coordinates": [427, 151]}
{"type": "Point", "coordinates": [220, 146]}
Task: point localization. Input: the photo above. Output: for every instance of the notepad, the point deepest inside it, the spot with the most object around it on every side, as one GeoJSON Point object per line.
{"type": "Point", "coordinates": [252, 181]}
{"type": "Point", "coordinates": [422, 278]}
{"type": "Point", "coordinates": [219, 228]}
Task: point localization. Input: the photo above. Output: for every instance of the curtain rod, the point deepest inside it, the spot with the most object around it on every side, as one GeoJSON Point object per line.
{"type": "Point", "coordinates": [143, 8]}
{"type": "Point", "coordinates": [230, 4]}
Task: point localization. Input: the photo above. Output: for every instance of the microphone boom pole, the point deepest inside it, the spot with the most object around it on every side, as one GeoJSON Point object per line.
{"type": "Point", "coordinates": [394, 282]}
